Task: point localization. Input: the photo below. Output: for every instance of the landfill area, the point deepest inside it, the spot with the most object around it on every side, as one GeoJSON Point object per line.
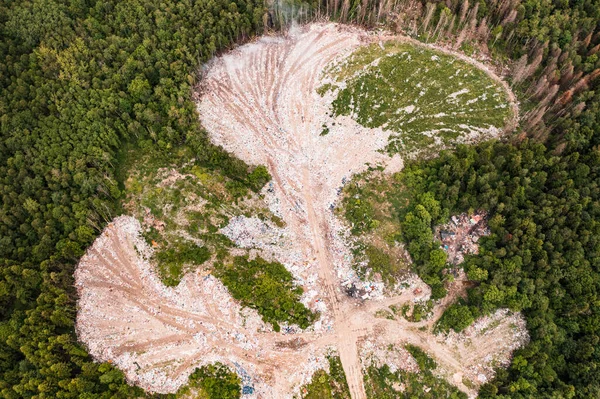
{"type": "Point", "coordinates": [460, 236]}
{"type": "Point", "coordinates": [260, 103]}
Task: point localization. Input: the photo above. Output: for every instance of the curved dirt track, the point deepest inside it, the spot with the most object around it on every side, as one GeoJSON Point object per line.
{"type": "Point", "coordinates": [260, 103]}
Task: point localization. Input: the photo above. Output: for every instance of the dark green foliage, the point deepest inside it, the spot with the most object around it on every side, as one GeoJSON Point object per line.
{"type": "Point", "coordinates": [215, 381]}
{"type": "Point", "coordinates": [457, 317]}
{"type": "Point", "coordinates": [542, 256]}
{"type": "Point", "coordinates": [381, 383]}
{"type": "Point", "coordinates": [380, 262]}
{"type": "Point", "coordinates": [258, 178]}
{"type": "Point", "coordinates": [423, 360]}
{"type": "Point", "coordinates": [267, 287]}
{"type": "Point", "coordinates": [328, 386]}
{"type": "Point", "coordinates": [171, 261]}
{"type": "Point", "coordinates": [417, 229]}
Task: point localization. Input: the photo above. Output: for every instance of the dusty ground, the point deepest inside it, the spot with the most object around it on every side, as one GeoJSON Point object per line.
{"type": "Point", "coordinates": [259, 102]}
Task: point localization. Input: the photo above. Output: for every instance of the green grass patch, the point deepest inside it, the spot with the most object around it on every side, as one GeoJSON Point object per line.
{"type": "Point", "coordinates": [430, 99]}
{"type": "Point", "coordinates": [267, 287]}
{"type": "Point", "coordinates": [371, 205]}
{"type": "Point", "coordinates": [381, 262]}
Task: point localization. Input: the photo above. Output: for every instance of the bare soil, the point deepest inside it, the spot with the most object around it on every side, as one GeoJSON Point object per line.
{"type": "Point", "coordinates": [260, 103]}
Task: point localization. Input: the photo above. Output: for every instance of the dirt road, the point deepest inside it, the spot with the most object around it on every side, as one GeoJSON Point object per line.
{"type": "Point", "coordinates": [260, 103]}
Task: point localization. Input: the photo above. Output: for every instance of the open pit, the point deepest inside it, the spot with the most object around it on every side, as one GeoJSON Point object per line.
{"type": "Point", "coordinates": [261, 102]}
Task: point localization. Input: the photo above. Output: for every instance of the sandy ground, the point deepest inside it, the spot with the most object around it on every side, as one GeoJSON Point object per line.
{"type": "Point", "coordinates": [259, 102]}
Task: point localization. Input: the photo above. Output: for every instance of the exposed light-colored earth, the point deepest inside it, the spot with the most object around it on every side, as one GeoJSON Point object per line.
{"type": "Point", "coordinates": [260, 103]}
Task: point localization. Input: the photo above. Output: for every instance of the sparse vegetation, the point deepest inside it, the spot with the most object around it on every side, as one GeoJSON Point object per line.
{"type": "Point", "coordinates": [370, 204]}
{"type": "Point", "coordinates": [382, 383]}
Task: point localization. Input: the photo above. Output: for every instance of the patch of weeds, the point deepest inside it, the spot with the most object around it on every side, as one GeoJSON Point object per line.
{"type": "Point", "coordinates": [370, 205]}
{"type": "Point", "coordinates": [382, 383]}
{"type": "Point", "coordinates": [267, 287]}
{"type": "Point", "coordinates": [323, 385]}
{"type": "Point", "coordinates": [381, 263]}
{"type": "Point", "coordinates": [322, 90]}
{"type": "Point", "coordinates": [215, 381]}
{"type": "Point", "coordinates": [385, 314]}
{"type": "Point", "coordinates": [425, 362]}
{"type": "Point", "coordinates": [467, 47]}
{"type": "Point", "coordinates": [325, 130]}
{"type": "Point", "coordinates": [468, 383]}
{"type": "Point", "coordinates": [279, 222]}
{"type": "Point", "coordinates": [416, 312]}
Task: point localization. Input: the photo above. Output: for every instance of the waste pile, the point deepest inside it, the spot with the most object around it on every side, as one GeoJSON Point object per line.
{"type": "Point", "coordinates": [461, 235]}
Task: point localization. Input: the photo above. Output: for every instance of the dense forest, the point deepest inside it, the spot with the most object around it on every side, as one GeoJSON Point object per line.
{"type": "Point", "coordinates": [542, 257]}
{"type": "Point", "coordinates": [80, 78]}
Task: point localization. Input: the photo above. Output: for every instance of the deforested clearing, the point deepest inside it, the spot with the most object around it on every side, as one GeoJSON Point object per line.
{"type": "Point", "coordinates": [304, 105]}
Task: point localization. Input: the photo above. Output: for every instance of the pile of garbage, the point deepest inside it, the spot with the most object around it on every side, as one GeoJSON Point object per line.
{"type": "Point", "coordinates": [461, 235]}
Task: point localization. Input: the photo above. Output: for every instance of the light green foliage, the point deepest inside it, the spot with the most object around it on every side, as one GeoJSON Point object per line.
{"type": "Point", "coordinates": [370, 204]}
{"type": "Point", "coordinates": [432, 100]}
{"type": "Point", "coordinates": [330, 385]}
{"type": "Point", "coordinates": [267, 287]}
{"type": "Point", "coordinates": [171, 261]}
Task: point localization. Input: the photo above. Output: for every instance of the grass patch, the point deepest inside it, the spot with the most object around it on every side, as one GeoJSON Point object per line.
{"type": "Point", "coordinates": [382, 263]}
{"type": "Point", "coordinates": [414, 312]}
{"type": "Point", "coordinates": [382, 383]}
{"type": "Point", "coordinates": [430, 99]}
{"type": "Point", "coordinates": [267, 287]}
{"type": "Point", "coordinates": [371, 204]}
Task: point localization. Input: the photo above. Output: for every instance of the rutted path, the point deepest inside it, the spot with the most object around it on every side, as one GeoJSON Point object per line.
{"type": "Point", "coordinates": [260, 103]}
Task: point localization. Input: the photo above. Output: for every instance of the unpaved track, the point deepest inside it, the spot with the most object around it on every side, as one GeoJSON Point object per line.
{"type": "Point", "coordinates": [260, 103]}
